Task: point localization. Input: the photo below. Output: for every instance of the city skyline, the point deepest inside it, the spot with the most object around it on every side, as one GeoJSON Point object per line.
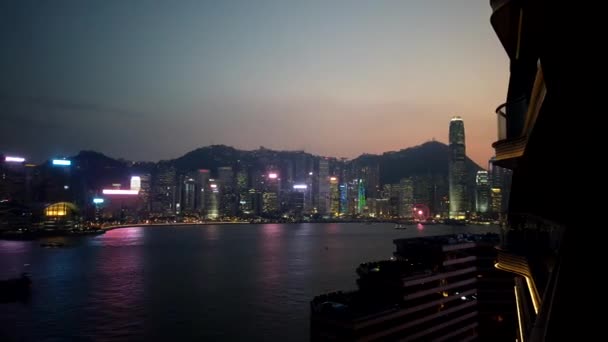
{"type": "Point", "coordinates": [147, 81]}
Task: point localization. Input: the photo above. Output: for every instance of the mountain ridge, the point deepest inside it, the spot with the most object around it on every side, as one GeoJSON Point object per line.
{"type": "Point", "coordinates": [428, 158]}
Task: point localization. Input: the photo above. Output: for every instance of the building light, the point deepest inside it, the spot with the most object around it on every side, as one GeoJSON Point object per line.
{"type": "Point", "coordinates": [273, 175]}
{"type": "Point", "coordinates": [300, 186]}
{"type": "Point", "coordinates": [135, 183]}
{"type": "Point", "coordinates": [98, 200]}
{"type": "Point", "coordinates": [333, 178]}
{"type": "Point", "coordinates": [62, 162]}
{"type": "Point", "coordinates": [14, 159]}
{"type": "Point", "coordinates": [119, 192]}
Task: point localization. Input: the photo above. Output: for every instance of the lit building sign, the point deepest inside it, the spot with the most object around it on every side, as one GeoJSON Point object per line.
{"type": "Point", "coordinates": [14, 159]}
{"type": "Point", "coordinates": [119, 192]}
{"type": "Point", "coordinates": [272, 176]}
{"type": "Point", "coordinates": [62, 162]}
{"type": "Point", "coordinates": [300, 186]}
{"type": "Point", "coordinates": [135, 183]}
{"type": "Point", "coordinates": [97, 200]}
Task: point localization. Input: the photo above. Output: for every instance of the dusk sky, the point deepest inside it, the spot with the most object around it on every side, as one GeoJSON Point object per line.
{"type": "Point", "coordinates": [150, 80]}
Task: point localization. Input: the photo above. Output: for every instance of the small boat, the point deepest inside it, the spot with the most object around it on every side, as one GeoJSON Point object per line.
{"type": "Point", "coordinates": [52, 245]}
{"type": "Point", "coordinates": [400, 226]}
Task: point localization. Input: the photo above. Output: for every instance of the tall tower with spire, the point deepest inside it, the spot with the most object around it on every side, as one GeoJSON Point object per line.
{"type": "Point", "coordinates": [457, 169]}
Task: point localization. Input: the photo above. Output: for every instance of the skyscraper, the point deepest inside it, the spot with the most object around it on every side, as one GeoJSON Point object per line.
{"type": "Point", "coordinates": [457, 169]}
{"type": "Point", "coordinates": [406, 197]}
{"type": "Point", "coordinates": [212, 198]}
{"type": "Point", "coordinates": [203, 191]}
{"type": "Point", "coordinates": [163, 201]}
{"type": "Point", "coordinates": [500, 178]}
{"type": "Point", "coordinates": [323, 206]}
{"type": "Point", "coordinates": [361, 198]}
{"type": "Point", "coordinates": [228, 199]}
{"type": "Point", "coordinates": [334, 196]}
{"type": "Point", "coordinates": [482, 192]}
{"type": "Point", "coordinates": [188, 201]}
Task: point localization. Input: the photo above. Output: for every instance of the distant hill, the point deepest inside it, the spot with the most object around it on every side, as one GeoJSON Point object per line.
{"type": "Point", "coordinates": [430, 158]}
{"type": "Point", "coordinates": [209, 157]}
{"type": "Point", "coordinates": [97, 170]}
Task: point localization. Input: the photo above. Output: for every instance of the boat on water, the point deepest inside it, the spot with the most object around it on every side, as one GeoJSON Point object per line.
{"type": "Point", "coordinates": [52, 244]}
{"type": "Point", "coordinates": [12, 290]}
{"type": "Point", "coordinates": [400, 226]}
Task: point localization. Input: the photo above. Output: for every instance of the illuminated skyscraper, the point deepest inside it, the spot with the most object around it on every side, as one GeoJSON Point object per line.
{"type": "Point", "coordinates": [164, 197]}
{"type": "Point", "coordinates": [203, 191]}
{"type": "Point", "coordinates": [12, 180]}
{"type": "Point", "coordinates": [323, 187]}
{"type": "Point", "coordinates": [212, 199]}
{"type": "Point", "coordinates": [482, 192]}
{"type": "Point", "coordinates": [270, 196]}
{"type": "Point", "coordinates": [145, 191]}
{"type": "Point", "coordinates": [371, 176]}
{"type": "Point", "coordinates": [343, 199]}
{"type": "Point", "coordinates": [496, 201]}
{"type": "Point", "coordinates": [242, 189]}
{"type": "Point", "coordinates": [334, 196]}
{"type": "Point", "coordinates": [188, 202]}
{"type": "Point", "coordinates": [457, 169]}
{"type": "Point", "coordinates": [361, 199]}
{"type": "Point", "coordinates": [500, 178]}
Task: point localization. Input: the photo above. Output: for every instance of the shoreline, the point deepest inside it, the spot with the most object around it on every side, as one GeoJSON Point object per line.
{"type": "Point", "coordinates": [33, 235]}
{"type": "Point", "coordinates": [171, 224]}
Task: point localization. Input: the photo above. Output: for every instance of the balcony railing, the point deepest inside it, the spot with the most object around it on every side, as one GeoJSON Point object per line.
{"type": "Point", "coordinates": [511, 118]}
{"type": "Point", "coordinates": [501, 111]}
{"type": "Point", "coordinates": [536, 242]}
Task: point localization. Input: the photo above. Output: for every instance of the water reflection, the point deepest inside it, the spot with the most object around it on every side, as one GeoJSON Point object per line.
{"type": "Point", "coordinates": [15, 259]}
{"type": "Point", "coordinates": [132, 236]}
{"type": "Point", "coordinates": [333, 228]}
{"type": "Point", "coordinates": [218, 283]}
{"type": "Point", "coordinates": [270, 243]}
{"type": "Point", "coordinates": [15, 246]}
{"type": "Point", "coordinates": [118, 287]}
{"type": "Point", "coordinates": [212, 232]}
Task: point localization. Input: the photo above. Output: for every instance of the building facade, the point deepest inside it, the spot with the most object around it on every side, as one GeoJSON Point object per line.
{"type": "Point", "coordinates": [457, 170]}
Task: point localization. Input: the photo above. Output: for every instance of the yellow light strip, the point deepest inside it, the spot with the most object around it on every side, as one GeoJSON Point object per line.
{"type": "Point", "coordinates": [529, 282]}
{"type": "Point", "coordinates": [519, 314]}
{"type": "Point", "coordinates": [532, 292]}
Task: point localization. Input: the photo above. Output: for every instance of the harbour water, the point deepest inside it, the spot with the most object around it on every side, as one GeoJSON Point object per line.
{"type": "Point", "coordinates": [208, 282]}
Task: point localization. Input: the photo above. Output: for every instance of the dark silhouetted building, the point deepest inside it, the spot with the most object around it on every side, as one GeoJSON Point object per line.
{"type": "Point", "coordinates": [434, 289]}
